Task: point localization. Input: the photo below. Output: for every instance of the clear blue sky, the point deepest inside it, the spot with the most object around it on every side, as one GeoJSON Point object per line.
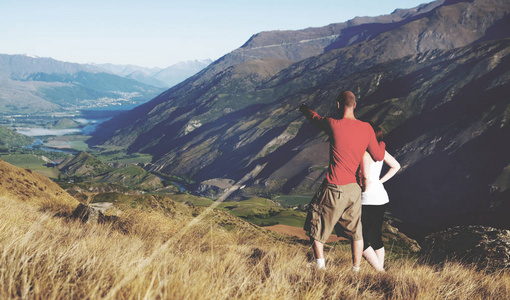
{"type": "Point", "coordinates": [162, 32]}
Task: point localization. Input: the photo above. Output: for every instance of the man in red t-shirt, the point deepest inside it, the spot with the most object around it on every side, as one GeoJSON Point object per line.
{"type": "Point", "coordinates": [337, 203]}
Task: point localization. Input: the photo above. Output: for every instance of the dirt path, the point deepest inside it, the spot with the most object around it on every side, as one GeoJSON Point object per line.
{"type": "Point", "coordinates": [298, 232]}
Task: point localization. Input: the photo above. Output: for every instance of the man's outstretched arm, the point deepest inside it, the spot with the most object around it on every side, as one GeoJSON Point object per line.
{"type": "Point", "coordinates": [314, 117]}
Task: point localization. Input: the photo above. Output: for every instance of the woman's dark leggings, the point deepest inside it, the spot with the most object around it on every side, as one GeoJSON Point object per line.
{"type": "Point", "coordinates": [372, 219]}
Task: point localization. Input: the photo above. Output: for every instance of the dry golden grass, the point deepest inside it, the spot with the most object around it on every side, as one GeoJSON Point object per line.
{"type": "Point", "coordinates": [31, 187]}
{"type": "Point", "coordinates": [156, 256]}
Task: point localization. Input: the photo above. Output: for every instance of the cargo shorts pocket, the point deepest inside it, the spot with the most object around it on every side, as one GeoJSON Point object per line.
{"type": "Point", "coordinates": [313, 224]}
{"type": "Point", "coordinates": [313, 218]}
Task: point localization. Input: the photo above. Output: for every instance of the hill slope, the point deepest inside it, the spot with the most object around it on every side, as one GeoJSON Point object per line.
{"type": "Point", "coordinates": [30, 187]}
{"type": "Point", "coordinates": [143, 253]}
{"type": "Point", "coordinates": [10, 139]}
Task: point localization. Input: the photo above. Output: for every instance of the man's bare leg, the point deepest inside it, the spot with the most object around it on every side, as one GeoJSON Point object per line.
{"type": "Point", "coordinates": [357, 253]}
{"type": "Point", "coordinates": [318, 250]}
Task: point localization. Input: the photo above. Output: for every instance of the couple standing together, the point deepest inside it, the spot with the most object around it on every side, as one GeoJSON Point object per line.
{"type": "Point", "coordinates": [339, 203]}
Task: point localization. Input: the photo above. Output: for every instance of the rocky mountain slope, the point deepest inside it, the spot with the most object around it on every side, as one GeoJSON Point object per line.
{"type": "Point", "coordinates": [484, 247]}
{"type": "Point", "coordinates": [436, 78]}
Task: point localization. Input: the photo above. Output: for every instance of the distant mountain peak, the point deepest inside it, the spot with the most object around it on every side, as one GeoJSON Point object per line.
{"type": "Point", "coordinates": [30, 55]}
{"type": "Point", "coordinates": [160, 77]}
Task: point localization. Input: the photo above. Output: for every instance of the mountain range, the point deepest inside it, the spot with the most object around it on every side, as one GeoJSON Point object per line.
{"type": "Point", "coordinates": [435, 77]}
{"type": "Point", "coordinates": [30, 85]}
{"type": "Point", "coordinates": [159, 77]}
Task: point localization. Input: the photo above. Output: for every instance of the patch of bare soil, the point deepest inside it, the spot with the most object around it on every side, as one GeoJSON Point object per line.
{"type": "Point", "coordinates": [298, 232]}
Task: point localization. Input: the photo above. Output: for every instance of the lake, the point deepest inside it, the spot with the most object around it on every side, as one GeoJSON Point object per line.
{"type": "Point", "coordinates": [45, 132]}
{"type": "Point", "coordinates": [89, 119]}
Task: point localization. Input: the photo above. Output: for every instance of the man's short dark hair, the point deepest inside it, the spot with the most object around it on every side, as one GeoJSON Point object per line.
{"type": "Point", "coordinates": [346, 99]}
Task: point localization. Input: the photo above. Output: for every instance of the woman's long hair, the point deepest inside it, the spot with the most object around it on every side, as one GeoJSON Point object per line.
{"type": "Point", "coordinates": [379, 137]}
{"type": "Point", "coordinates": [377, 131]}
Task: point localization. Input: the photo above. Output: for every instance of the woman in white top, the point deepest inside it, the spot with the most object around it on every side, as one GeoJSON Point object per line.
{"type": "Point", "coordinates": [374, 200]}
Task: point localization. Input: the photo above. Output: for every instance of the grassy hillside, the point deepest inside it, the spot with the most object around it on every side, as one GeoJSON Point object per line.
{"type": "Point", "coordinates": [164, 249]}
{"type": "Point", "coordinates": [256, 210]}
{"type": "Point", "coordinates": [36, 163]}
{"type": "Point", "coordinates": [83, 164]}
{"type": "Point", "coordinates": [64, 124]}
{"type": "Point", "coordinates": [132, 176]}
{"type": "Point", "coordinates": [30, 187]}
{"type": "Point", "coordinates": [172, 255]}
{"type": "Point", "coordinates": [10, 140]}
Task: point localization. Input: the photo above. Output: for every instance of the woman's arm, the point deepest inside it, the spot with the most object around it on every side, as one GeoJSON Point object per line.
{"type": "Point", "coordinates": [393, 164]}
{"type": "Point", "coordinates": [366, 161]}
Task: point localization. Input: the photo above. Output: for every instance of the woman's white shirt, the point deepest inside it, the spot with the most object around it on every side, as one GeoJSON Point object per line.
{"type": "Point", "coordinates": [375, 194]}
